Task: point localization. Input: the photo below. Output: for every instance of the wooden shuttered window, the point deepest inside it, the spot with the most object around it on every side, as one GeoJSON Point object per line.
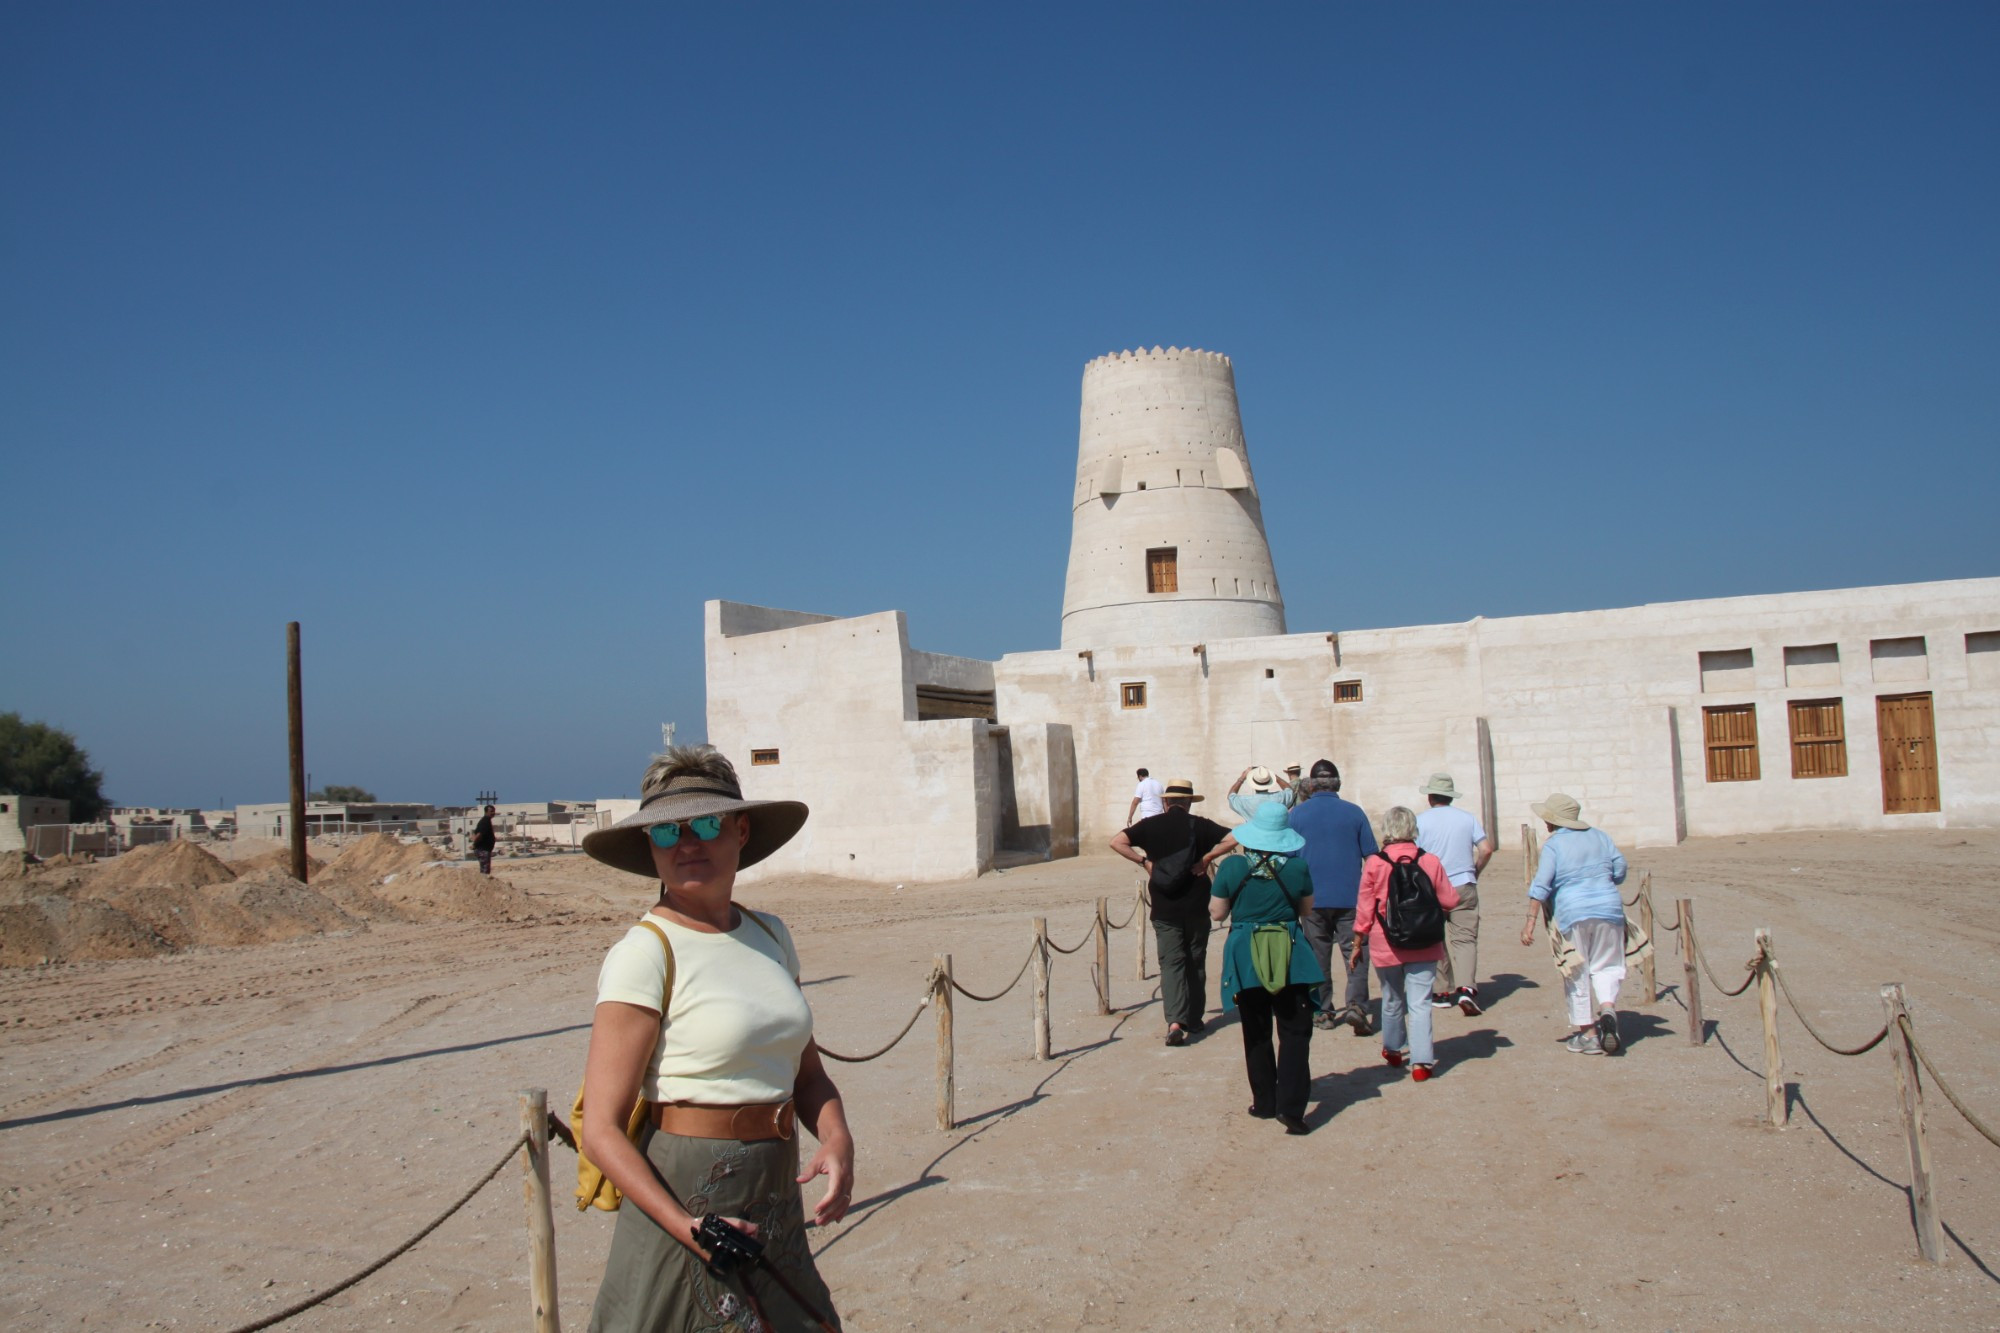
{"type": "Point", "coordinates": [1819, 738]}
{"type": "Point", "coordinates": [1162, 569]}
{"type": "Point", "coordinates": [1731, 737]}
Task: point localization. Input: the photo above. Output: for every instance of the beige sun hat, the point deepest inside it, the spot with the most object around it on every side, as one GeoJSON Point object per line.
{"type": "Point", "coordinates": [1561, 810]}
{"type": "Point", "coordinates": [681, 795]}
{"type": "Point", "coordinates": [1179, 789]}
{"type": "Point", "coordinates": [1442, 785]}
{"type": "Point", "coordinates": [1261, 780]}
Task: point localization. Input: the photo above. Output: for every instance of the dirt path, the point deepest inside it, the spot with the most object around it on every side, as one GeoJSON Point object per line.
{"type": "Point", "coordinates": [192, 1141]}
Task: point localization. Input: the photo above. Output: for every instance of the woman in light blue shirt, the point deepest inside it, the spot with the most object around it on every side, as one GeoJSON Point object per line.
{"type": "Point", "coordinates": [1577, 882]}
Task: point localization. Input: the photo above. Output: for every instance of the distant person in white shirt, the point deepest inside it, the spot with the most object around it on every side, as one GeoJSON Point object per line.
{"type": "Point", "coordinates": [1455, 838]}
{"type": "Point", "coordinates": [1146, 800]}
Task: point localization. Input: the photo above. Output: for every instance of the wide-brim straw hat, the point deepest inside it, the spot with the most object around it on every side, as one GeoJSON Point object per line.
{"type": "Point", "coordinates": [1269, 830]}
{"type": "Point", "coordinates": [1180, 789]}
{"type": "Point", "coordinates": [627, 846]}
{"type": "Point", "coordinates": [1261, 780]}
{"type": "Point", "coordinates": [1442, 785]}
{"type": "Point", "coordinates": [1562, 811]}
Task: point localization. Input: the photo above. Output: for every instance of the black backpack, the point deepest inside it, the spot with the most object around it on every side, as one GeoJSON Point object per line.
{"type": "Point", "coordinates": [1412, 917]}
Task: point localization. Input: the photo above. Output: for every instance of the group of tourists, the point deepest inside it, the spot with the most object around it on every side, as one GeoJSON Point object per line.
{"type": "Point", "coordinates": [1313, 900]}
{"type": "Point", "coordinates": [702, 1062]}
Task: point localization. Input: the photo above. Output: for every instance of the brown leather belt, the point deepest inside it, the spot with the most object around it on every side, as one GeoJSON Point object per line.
{"type": "Point", "coordinates": [745, 1124]}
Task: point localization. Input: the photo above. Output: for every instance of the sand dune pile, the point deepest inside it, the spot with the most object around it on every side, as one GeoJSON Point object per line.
{"type": "Point", "coordinates": [175, 896]}
{"type": "Point", "coordinates": [278, 859]}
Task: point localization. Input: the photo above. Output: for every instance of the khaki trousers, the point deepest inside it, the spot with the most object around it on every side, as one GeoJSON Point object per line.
{"type": "Point", "coordinates": [1460, 964]}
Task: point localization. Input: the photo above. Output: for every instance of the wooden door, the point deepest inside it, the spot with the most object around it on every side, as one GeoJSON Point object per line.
{"type": "Point", "coordinates": [1909, 754]}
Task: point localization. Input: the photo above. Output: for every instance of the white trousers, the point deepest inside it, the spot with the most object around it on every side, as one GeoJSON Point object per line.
{"type": "Point", "coordinates": [1601, 945]}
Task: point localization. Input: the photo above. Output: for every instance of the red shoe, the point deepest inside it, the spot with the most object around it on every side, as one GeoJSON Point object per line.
{"type": "Point", "coordinates": [1418, 1073]}
{"type": "Point", "coordinates": [1393, 1058]}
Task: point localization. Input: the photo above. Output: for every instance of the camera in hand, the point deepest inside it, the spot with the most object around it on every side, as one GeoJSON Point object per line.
{"type": "Point", "coordinates": [728, 1249]}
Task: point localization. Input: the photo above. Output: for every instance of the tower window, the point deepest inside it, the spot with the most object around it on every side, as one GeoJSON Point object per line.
{"type": "Point", "coordinates": [1269, 673]}
{"type": "Point", "coordinates": [1347, 691]}
{"type": "Point", "coordinates": [760, 758]}
{"type": "Point", "coordinates": [1132, 694]}
{"type": "Point", "coordinates": [1162, 569]}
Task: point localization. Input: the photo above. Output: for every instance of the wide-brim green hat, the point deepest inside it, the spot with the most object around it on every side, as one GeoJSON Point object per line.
{"type": "Point", "coordinates": [626, 845]}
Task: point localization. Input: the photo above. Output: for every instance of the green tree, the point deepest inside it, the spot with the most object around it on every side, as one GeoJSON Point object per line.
{"type": "Point", "coordinates": [340, 795]}
{"type": "Point", "coordinates": [39, 760]}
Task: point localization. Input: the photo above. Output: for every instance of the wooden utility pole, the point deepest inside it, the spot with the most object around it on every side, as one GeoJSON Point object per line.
{"type": "Point", "coordinates": [1767, 1006]}
{"type": "Point", "coordinates": [541, 1218]}
{"type": "Point", "coordinates": [947, 1109]}
{"type": "Point", "coordinates": [1910, 1090]}
{"type": "Point", "coordinates": [1041, 988]}
{"type": "Point", "coordinates": [1691, 970]}
{"type": "Point", "coordinates": [296, 715]}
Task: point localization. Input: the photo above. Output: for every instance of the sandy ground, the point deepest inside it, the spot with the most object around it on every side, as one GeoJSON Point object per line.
{"type": "Point", "coordinates": [193, 1141]}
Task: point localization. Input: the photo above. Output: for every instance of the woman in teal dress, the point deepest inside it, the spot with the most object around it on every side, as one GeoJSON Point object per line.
{"type": "Point", "coordinates": [1268, 970]}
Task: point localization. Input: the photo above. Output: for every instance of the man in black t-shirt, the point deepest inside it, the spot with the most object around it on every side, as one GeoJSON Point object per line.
{"type": "Point", "coordinates": [1171, 846]}
{"type": "Point", "coordinates": [483, 840]}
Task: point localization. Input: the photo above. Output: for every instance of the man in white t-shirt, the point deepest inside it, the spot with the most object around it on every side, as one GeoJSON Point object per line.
{"type": "Point", "coordinates": [1146, 800]}
{"type": "Point", "coordinates": [1455, 838]}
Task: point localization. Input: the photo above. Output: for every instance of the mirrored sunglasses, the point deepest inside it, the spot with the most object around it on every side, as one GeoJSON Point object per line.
{"type": "Point", "coordinates": [705, 827]}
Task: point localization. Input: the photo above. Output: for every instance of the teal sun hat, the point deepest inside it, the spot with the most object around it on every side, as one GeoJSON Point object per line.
{"type": "Point", "coordinates": [1269, 830]}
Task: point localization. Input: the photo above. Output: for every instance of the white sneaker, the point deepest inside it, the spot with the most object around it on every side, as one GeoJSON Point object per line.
{"type": "Point", "coordinates": [1584, 1043]}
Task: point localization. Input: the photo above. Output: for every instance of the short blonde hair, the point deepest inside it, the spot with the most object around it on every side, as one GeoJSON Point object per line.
{"type": "Point", "coordinates": [1398, 825]}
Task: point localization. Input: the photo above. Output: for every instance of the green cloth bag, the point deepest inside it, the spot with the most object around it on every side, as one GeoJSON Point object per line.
{"type": "Point", "coordinates": [1271, 956]}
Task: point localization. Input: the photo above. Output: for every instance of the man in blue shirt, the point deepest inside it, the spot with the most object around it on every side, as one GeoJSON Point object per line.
{"type": "Point", "coordinates": [1338, 839]}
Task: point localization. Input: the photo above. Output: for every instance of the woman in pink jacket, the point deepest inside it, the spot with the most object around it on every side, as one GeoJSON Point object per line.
{"type": "Point", "coordinates": [1406, 973]}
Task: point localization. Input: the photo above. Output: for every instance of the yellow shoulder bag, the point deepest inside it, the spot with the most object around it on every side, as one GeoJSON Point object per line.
{"type": "Point", "coordinates": [593, 1188]}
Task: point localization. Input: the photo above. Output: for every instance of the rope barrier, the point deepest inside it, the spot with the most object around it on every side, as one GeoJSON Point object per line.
{"type": "Point", "coordinates": [1079, 944]}
{"type": "Point", "coordinates": [1910, 1033]}
{"type": "Point", "coordinates": [930, 990]}
{"type": "Point", "coordinates": [1716, 982]}
{"type": "Point", "coordinates": [1129, 917]}
{"type": "Point", "coordinates": [1814, 1032]}
{"type": "Point", "coordinates": [988, 999]}
{"type": "Point", "coordinates": [1677, 918]}
{"type": "Point", "coordinates": [301, 1307]}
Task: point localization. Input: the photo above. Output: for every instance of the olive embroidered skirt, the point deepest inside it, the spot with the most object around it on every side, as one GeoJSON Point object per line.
{"type": "Point", "coordinates": [654, 1284]}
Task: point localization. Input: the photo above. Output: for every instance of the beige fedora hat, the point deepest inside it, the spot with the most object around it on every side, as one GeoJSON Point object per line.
{"type": "Point", "coordinates": [1561, 810]}
{"type": "Point", "coordinates": [1180, 789]}
{"type": "Point", "coordinates": [1442, 785]}
{"type": "Point", "coordinates": [1261, 779]}
{"type": "Point", "coordinates": [685, 795]}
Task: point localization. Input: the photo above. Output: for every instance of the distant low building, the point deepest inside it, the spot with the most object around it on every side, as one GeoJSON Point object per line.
{"type": "Point", "coordinates": [332, 817]}
{"type": "Point", "coordinates": [20, 813]}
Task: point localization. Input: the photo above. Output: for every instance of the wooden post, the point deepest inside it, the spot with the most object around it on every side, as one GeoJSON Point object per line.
{"type": "Point", "coordinates": [295, 709]}
{"type": "Point", "coordinates": [1690, 970]}
{"type": "Point", "coordinates": [947, 1110]}
{"type": "Point", "coordinates": [1910, 1090]}
{"type": "Point", "coordinates": [1041, 988]}
{"type": "Point", "coordinates": [1767, 1005]}
{"type": "Point", "coordinates": [1649, 982]}
{"type": "Point", "coordinates": [1103, 960]}
{"type": "Point", "coordinates": [541, 1220]}
{"type": "Point", "coordinates": [1140, 925]}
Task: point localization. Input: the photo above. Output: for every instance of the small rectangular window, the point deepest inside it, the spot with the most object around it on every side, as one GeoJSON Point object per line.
{"type": "Point", "coordinates": [1895, 660]}
{"type": "Point", "coordinates": [1730, 669]}
{"type": "Point", "coordinates": [1162, 569]}
{"type": "Point", "coordinates": [1813, 664]}
{"type": "Point", "coordinates": [759, 758]}
{"type": "Point", "coordinates": [1132, 694]}
{"type": "Point", "coordinates": [1347, 691]}
{"type": "Point", "coordinates": [1982, 658]}
{"type": "Point", "coordinates": [1270, 673]}
{"type": "Point", "coordinates": [1819, 738]}
{"type": "Point", "coordinates": [1730, 735]}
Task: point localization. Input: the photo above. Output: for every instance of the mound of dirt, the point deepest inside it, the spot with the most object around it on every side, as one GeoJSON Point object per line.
{"type": "Point", "coordinates": [14, 865]}
{"type": "Point", "coordinates": [263, 907]}
{"type": "Point", "coordinates": [278, 859]}
{"type": "Point", "coordinates": [375, 856]}
{"type": "Point", "coordinates": [452, 893]}
{"type": "Point", "coordinates": [57, 928]}
{"type": "Point", "coordinates": [175, 862]}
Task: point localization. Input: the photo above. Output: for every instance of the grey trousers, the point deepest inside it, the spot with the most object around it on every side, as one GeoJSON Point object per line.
{"type": "Point", "coordinates": [1183, 969]}
{"type": "Point", "coordinates": [1330, 930]}
{"type": "Point", "coordinates": [1460, 964]}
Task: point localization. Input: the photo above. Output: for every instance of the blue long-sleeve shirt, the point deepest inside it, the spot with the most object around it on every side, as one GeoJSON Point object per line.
{"type": "Point", "coordinates": [1582, 868]}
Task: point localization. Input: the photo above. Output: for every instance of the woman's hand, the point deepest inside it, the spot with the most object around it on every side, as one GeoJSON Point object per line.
{"type": "Point", "coordinates": [1528, 931]}
{"type": "Point", "coordinates": [835, 1161]}
{"type": "Point", "coordinates": [694, 1226]}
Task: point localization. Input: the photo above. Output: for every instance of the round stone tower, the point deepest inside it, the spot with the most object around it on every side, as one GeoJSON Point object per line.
{"type": "Point", "coordinates": [1167, 537]}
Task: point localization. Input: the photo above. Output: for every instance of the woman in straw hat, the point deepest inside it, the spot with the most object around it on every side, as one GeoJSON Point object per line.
{"type": "Point", "coordinates": [699, 1013]}
{"type": "Point", "coordinates": [1580, 870]}
{"type": "Point", "coordinates": [1268, 969]}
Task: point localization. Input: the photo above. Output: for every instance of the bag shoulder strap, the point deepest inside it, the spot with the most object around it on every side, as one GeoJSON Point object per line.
{"type": "Point", "coordinates": [667, 948]}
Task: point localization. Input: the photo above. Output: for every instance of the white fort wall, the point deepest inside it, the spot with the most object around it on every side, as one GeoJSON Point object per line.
{"type": "Point", "coordinates": [1606, 705]}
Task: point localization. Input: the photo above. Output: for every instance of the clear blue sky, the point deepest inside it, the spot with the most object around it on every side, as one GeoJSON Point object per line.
{"type": "Point", "coordinates": [489, 340]}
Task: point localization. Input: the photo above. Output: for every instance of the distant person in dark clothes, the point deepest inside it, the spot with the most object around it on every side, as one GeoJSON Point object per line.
{"type": "Point", "coordinates": [1338, 840]}
{"type": "Point", "coordinates": [1171, 846]}
{"type": "Point", "coordinates": [483, 840]}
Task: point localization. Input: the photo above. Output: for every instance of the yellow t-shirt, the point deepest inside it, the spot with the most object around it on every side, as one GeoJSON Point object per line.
{"type": "Point", "coordinates": [737, 1024]}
